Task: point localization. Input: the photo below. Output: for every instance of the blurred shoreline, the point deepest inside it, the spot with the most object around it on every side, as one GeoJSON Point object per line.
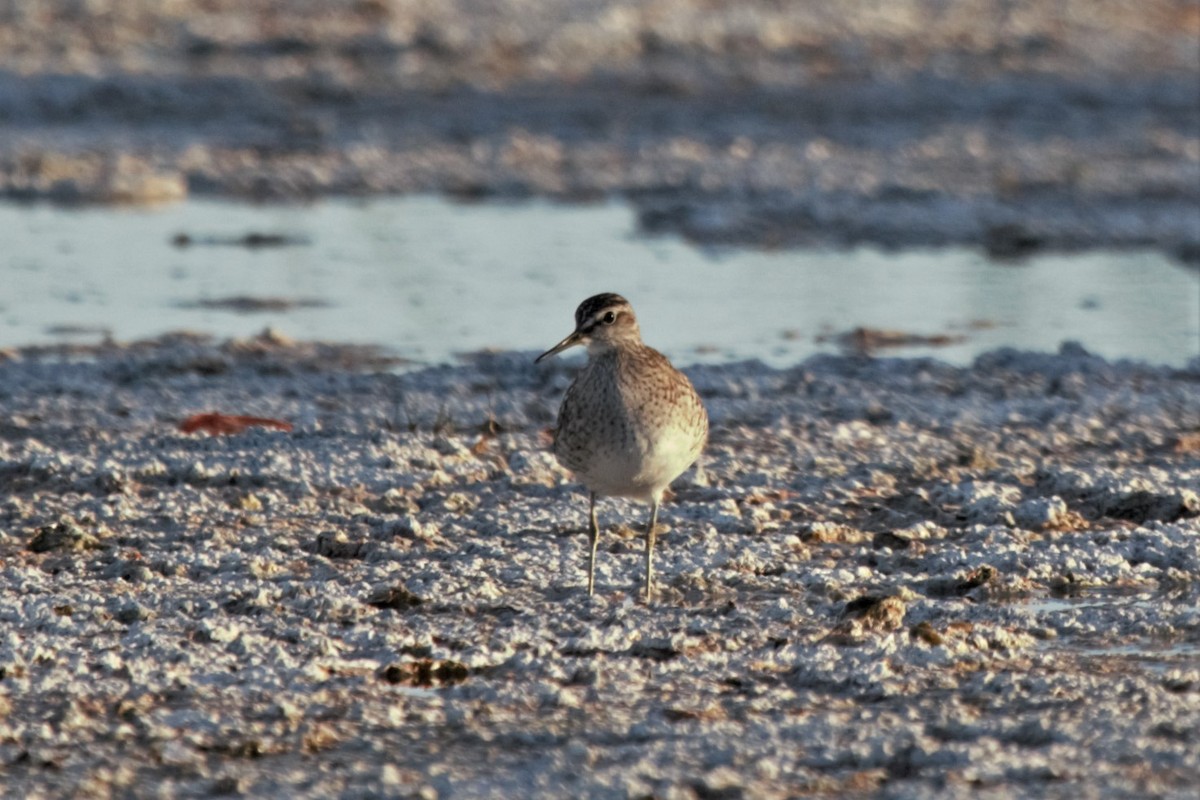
{"type": "Point", "coordinates": [1014, 126]}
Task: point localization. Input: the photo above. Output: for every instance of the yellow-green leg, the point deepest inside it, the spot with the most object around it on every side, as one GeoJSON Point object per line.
{"type": "Point", "coordinates": [593, 541]}
{"type": "Point", "coordinates": [650, 548]}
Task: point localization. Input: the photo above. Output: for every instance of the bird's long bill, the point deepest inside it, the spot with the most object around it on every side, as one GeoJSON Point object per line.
{"type": "Point", "coordinates": [575, 338]}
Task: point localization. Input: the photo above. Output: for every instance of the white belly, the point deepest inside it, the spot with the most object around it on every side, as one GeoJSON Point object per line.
{"type": "Point", "coordinates": [640, 467]}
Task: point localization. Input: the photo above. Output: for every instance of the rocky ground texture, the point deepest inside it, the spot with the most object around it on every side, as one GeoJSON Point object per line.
{"type": "Point", "coordinates": [1014, 126]}
{"type": "Point", "coordinates": [890, 578]}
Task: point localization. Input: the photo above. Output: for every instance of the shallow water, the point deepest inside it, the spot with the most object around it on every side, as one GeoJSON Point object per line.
{"type": "Point", "coordinates": [429, 278]}
{"type": "Point", "coordinates": [1156, 645]}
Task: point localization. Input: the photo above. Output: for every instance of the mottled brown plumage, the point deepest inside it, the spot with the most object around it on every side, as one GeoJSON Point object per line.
{"type": "Point", "coordinates": [630, 423]}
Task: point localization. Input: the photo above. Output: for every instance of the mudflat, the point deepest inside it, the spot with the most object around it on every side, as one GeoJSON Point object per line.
{"type": "Point", "coordinates": [890, 577]}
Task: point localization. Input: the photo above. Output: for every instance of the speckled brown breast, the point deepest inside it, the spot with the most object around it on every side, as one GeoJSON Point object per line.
{"type": "Point", "coordinates": [630, 423]}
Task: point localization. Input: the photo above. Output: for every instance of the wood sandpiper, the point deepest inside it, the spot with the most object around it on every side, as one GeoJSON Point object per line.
{"type": "Point", "coordinates": [630, 423]}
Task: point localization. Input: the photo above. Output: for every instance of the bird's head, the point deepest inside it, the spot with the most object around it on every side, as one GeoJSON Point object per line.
{"type": "Point", "coordinates": [602, 322]}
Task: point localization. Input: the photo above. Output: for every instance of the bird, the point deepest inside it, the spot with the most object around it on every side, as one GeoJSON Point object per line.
{"type": "Point", "coordinates": [630, 422]}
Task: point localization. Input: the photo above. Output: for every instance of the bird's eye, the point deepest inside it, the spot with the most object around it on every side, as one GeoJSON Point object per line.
{"type": "Point", "coordinates": [609, 318]}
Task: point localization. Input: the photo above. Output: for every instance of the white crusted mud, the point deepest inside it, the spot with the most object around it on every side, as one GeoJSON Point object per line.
{"type": "Point", "coordinates": [888, 576]}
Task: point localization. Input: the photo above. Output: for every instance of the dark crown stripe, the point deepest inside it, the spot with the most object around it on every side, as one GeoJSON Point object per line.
{"type": "Point", "coordinates": [588, 308]}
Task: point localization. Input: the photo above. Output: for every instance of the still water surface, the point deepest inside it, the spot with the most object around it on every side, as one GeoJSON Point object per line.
{"type": "Point", "coordinates": [428, 278]}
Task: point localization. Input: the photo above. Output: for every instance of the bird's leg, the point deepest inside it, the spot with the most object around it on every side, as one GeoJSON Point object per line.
{"type": "Point", "coordinates": [650, 548]}
{"type": "Point", "coordinates": [593, 540]}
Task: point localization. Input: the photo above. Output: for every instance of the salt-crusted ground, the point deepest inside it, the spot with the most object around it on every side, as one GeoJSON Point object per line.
{"type": "Point", "coordinates": [890, 577]}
